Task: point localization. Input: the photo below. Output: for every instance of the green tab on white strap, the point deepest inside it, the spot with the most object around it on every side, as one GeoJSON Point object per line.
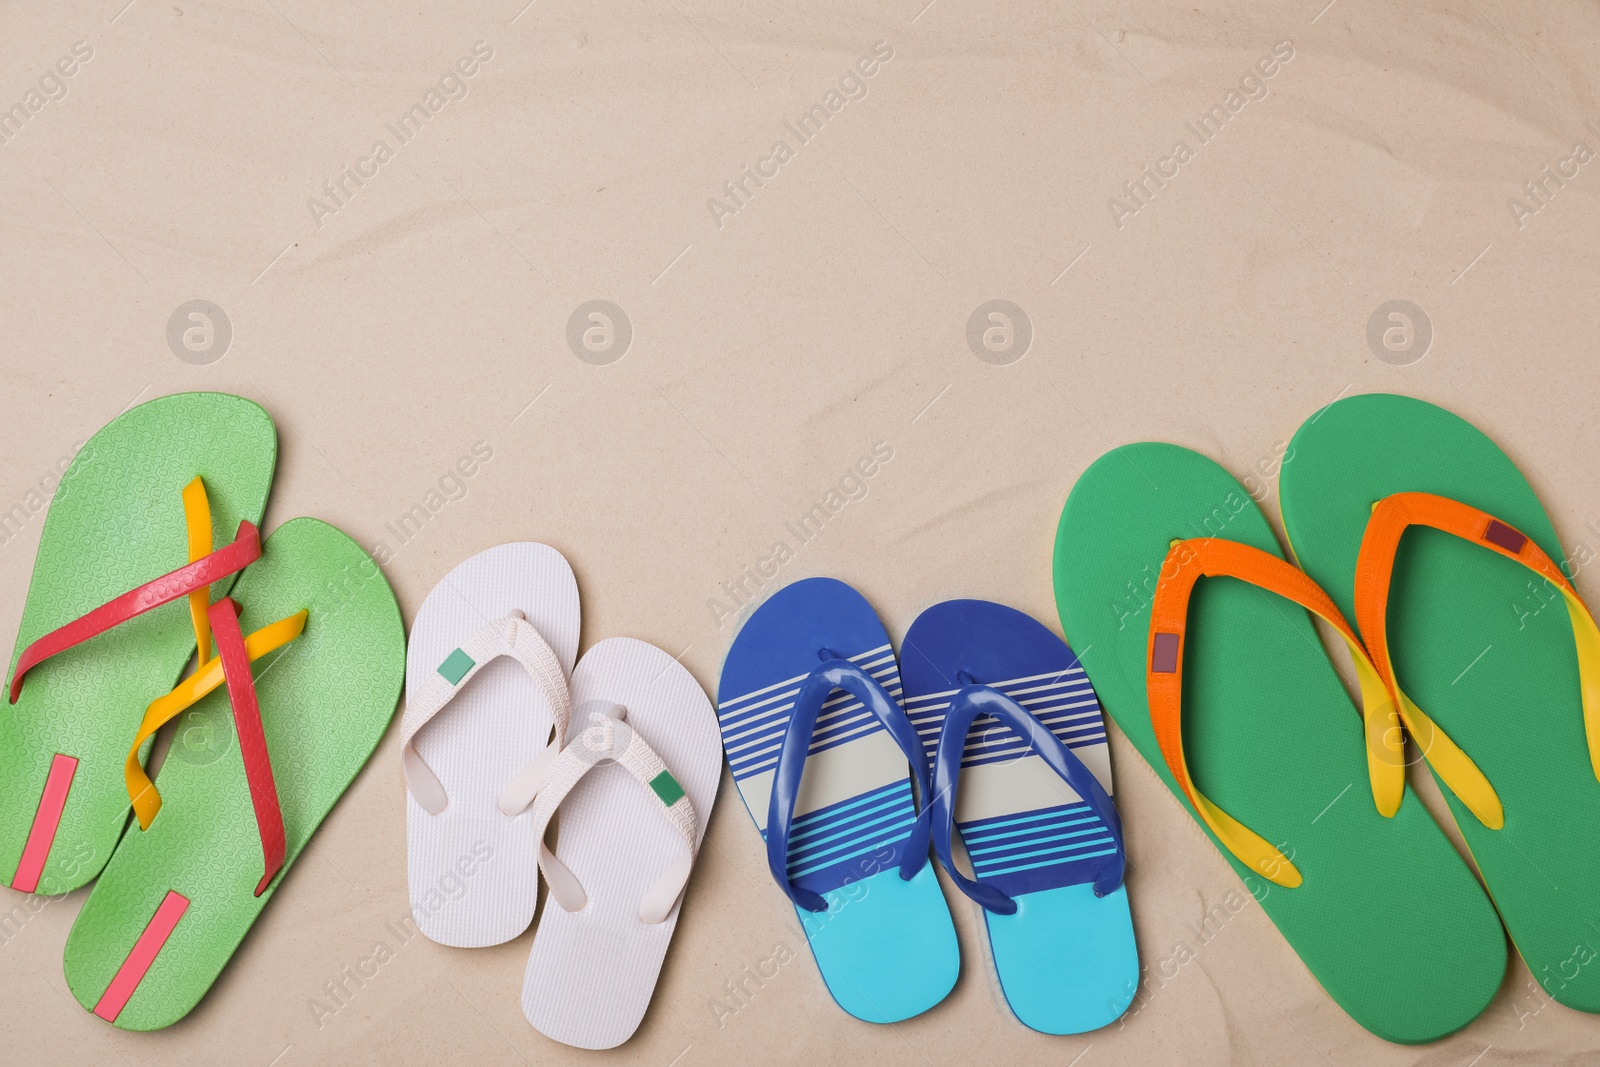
{"type": "Point", "coordinates": [609, 737]}
{"type": "Point", "coordinates": [666, 787]}
{"type": "Point", "coordinates": [455, 666]}
{"type": "Point", "coordinates": [512, 636]}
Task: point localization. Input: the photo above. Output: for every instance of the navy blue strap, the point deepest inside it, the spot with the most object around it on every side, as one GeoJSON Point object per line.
{"type": "Point", "coordinates": [970, 701]}
{"type": "Point", "coordinates": [838, 673]}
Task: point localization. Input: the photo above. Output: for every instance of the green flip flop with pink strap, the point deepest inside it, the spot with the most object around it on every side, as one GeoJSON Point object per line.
{"type": "Point", "coordinates": [125, 571]}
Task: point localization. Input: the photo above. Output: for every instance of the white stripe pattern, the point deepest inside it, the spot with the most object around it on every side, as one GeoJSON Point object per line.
{"type": "Point", "coordinates": [754, 724]}
{"type": "Point", "coordinates": [1063, 701]}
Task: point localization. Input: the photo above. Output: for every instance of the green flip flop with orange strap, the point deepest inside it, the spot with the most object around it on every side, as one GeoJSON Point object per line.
{"type": "Point", "coordinates": [1195, 630]}
{"type": "Point", "coordinates": [1425, 532]}
{"type": "Point", "coordinates": [129, 535]}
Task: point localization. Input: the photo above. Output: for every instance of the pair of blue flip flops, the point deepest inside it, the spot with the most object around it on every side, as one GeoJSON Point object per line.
{"type": "Point", "coordinates": [825, 732]}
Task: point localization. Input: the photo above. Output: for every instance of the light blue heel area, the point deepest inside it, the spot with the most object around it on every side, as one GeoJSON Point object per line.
{"type": "Point", "coordinates": [1066, 960]}
{"type": "Point", "coordinates": [886, 947]}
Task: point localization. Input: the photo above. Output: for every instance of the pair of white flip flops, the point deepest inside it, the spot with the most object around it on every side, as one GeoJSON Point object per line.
{"type": "Point", "coordinates": [501, 731]}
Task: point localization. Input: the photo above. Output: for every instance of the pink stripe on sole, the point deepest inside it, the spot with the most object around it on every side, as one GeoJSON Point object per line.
{"type": "Point", "coordinates": [45, 823]}
{"type": "Point", "coordinates": [144, 953]}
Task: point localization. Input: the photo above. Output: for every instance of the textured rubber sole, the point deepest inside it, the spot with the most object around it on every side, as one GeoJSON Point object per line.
{"type": "Point", "coordinates": [1389, 918]}
{"type": "Point", "coordinates": [326, 700]}
{"type": "Point", "coordinates": [1483, 645]}
{"type": "Point", "coordinates": [116, 522]}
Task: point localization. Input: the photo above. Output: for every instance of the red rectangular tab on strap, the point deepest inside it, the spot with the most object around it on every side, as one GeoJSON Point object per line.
{"type": "Point", "coordinates": [144, 953]}
{"type": "Point", "coordinates": [1164, 654]}
{"type": "Point", "coordinates": [46, 821]}
{"type": "Point", "coordinates": [1503, 536]}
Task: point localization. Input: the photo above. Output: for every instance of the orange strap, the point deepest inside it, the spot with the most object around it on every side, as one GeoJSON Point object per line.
{"type": "Point", "coordinates": [1186, 563]}
{"type": "Point", "coordinates": [1374, 575]}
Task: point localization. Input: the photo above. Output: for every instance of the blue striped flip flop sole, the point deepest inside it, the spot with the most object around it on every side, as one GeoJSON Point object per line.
{"type": "Point", "coordinates": [1066, 960]}
{"type": "Point", "coordinates": [886, 946]}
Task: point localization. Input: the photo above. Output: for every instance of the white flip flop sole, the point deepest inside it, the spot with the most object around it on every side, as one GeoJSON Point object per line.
{"type": "Point", "coordinates": [473, 871]}
{"type": "Point", "coordinates": [591, 972]}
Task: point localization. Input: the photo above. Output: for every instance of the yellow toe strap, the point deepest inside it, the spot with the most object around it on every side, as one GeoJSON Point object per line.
{"type": "Point", "coordinates": [1391, 517]}
{"type": "Point", "coordinates": [142, 791]}
{"type": "Point", "coordinates": [1249, 847]}
{"type": "Point", "coordinates": [197, 520]}
{"type": "Point", "coordinates": [1187, 562]}
{"type": "Point", "coordinates": [1386, 744]}
{"type": "Point", "coordinates": [1453, 766]}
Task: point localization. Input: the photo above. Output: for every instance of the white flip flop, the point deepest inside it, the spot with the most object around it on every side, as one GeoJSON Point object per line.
{"type": "Point", "coordinates": [634, 786]}
{"type": "Point", "coordinates": [487, 707]}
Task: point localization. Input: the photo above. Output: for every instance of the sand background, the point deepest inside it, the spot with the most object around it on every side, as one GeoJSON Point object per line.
{"type": "Point", "coordinates": [775, 342]}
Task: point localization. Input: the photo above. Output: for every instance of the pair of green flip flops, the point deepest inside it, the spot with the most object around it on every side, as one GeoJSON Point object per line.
{"type": "Point", "coordinates": [1417, 527]}
{"type": "Point", "coordinates": [126, 586]}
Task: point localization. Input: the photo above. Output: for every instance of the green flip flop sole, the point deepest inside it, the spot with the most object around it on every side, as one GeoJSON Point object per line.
{"type": "Point", "coordinates": [116, 522]}
{"type": "Point", "coordinates": [1480, 643]}
{"type": "Point", "coordinates": [326, 699]}
{"type": "Point", "coordinates": [1388, 919]}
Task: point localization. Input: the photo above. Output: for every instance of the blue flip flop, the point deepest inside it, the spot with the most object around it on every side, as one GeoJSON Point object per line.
{"type": "Point", "coordinates": [995, 694]}
{"type": "Point", "coordinates": [826, 775]}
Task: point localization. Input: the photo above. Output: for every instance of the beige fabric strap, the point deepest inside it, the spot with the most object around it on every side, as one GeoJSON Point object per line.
{"type": "Point", "coordinates": [609, 737]}
{"type": "Point", "coordinates": [510, 636]}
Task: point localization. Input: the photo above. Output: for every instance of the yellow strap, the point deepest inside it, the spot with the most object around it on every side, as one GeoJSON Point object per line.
{"type": "Point", "coordinates": [1186, 563]}
{"type": "Point", "coordinates": [1386, 743]}
{"type": "Point", "coordinates": [141, 790]}
{"type": "Point", "coordinates": [1586, 636]}
{"type": "Point", "coordinates": [197, 515]}
{"type": "Point", "coordinates": [1391, 517]}
{"type": "Point", "coordinates": [1454, 767]}
{"type": "Point", "coordinates": [1386, 768]}
{"type": "Point", "coordinates": [1253, 850]}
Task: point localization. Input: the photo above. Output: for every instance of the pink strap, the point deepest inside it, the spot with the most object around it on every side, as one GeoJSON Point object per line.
{"type": "Point", "coordinates": [45, 823]}
{"type": "Point", "coordinates": [245, 550]}
{"type": "Point", "coordinates": [224, 616]}
{"type": "Point", "coordinates": [144, 953]}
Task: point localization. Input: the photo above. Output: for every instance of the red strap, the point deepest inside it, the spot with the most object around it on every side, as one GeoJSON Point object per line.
{"type": "Point", "coordinates": [245, 550]}
{"type": "Point", "coordinates": [224, 616]}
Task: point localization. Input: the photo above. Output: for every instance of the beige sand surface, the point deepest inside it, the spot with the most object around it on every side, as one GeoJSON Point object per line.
{"type": "Point", "coordinates": [780, 329]}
